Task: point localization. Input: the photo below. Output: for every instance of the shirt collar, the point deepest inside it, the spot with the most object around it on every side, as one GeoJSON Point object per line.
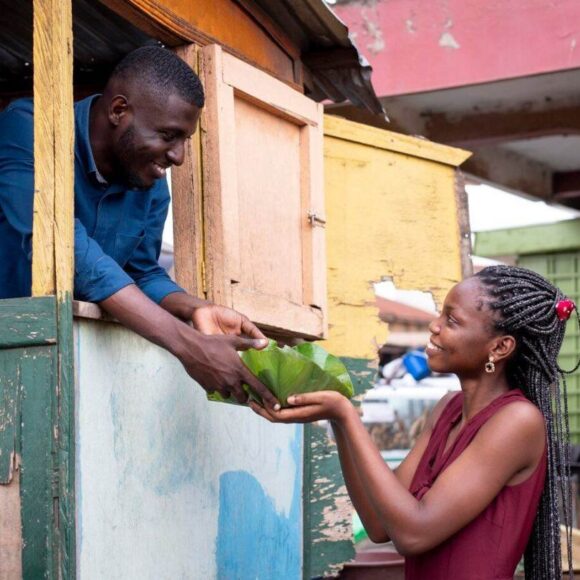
{"type": "Point", "coordinates": [83, 143]}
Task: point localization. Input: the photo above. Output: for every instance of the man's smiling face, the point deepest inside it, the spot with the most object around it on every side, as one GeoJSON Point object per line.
{"type": "Point", "coordinates": [152, 136]}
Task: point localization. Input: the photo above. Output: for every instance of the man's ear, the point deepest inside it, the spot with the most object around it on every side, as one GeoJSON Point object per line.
{"type": "Point", "coordinates": [118, 108]}
{"type": "Point", "coordinates": [503, 348]}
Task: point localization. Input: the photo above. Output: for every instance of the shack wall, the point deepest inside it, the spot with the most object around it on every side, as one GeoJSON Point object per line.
{"type": "Point", "coordinates": [170, 485]}
{"type": "Point", "coordinates": [393, 209]}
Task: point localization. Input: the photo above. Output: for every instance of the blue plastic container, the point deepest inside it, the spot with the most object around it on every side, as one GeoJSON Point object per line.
{"type": "Point", "coordinates": [415, 361]}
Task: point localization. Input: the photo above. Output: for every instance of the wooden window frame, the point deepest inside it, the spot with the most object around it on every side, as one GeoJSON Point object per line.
{"type": "Point", "coordinates": [226, 77]}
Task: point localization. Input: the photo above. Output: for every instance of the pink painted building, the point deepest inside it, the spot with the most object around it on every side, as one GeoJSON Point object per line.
{"type": "Point", "coordinates": [499, 77]}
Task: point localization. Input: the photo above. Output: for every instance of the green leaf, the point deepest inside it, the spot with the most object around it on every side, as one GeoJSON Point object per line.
{"type": "Point", "coordinates": [289, 371]}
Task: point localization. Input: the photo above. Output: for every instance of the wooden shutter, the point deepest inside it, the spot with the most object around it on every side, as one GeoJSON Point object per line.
{"type": "Point", "coordinates": [263, 197]}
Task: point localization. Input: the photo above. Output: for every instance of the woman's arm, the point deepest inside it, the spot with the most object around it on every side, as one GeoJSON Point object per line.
{"type": "Point", "coordinates": [404, 473]}
{"type": "Point", "coordinates": [460, 493]}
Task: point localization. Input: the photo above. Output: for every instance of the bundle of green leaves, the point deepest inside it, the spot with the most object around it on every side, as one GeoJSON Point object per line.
{"type": "Point", "coordinates": [286, 371]}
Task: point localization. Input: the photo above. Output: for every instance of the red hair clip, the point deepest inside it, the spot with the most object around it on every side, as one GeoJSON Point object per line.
{"type": "Point", "coordinates": [564, 308]}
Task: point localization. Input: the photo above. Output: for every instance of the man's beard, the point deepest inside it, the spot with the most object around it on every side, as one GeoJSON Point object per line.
{"type": "Point", "coordinates": [129, 157]}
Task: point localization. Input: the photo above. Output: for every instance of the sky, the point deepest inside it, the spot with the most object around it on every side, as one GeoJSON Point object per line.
{"type": "Point", "coordinates": [493, 209]}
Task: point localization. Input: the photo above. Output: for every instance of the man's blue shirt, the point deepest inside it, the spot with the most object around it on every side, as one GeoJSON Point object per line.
{"type": "Point", "coordinates": [117, 230]}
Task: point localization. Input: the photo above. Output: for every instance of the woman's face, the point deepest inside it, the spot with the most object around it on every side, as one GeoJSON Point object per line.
{"type": "Point", "coordinates": [461, 336]}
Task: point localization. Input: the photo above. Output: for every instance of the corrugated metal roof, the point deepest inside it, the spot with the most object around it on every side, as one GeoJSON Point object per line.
{"type": "Point", "coordinates": [101, 38]}
{"type": "Point", "coordinates": [339, 71]}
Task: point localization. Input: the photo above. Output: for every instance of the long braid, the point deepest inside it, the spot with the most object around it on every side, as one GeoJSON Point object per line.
{"type": "Point", "coordinates": [525, 307]}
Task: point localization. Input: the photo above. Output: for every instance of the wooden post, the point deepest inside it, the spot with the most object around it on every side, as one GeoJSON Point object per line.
{"type": "Point", "coordinates": [53, 228]}
{"type": "Point", "coordinates": [188, 205]}
{"type": "Point", "coordinates": [53, 272]}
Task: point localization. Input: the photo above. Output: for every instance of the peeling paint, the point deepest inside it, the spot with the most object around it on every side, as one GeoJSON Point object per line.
{"type": "Point", "coordinates": [375, 32]}
{"type": "Point", "coordinates": [447, 40]}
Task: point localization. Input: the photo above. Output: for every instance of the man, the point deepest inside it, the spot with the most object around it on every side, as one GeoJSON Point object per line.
{"type": "Point", "coordinates": [125, 140]}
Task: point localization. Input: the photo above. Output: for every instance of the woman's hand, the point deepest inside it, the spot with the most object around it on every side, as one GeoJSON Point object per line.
{"type": "Point", "coordinates": [309, 407]}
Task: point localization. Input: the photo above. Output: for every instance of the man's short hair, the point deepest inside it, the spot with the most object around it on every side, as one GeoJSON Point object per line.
{"type": "Point", "coordinates": [163, 72]}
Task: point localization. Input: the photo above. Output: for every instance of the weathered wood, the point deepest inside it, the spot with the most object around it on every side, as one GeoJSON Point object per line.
{"type": "Point", "coordinates": [314, 220]}
{"type": "Point", "coordinates": [9, 416]}
{"type": "Point", "coordinates": [411, 237]}
{"type": "Point", "coordinates": [277, 313]}
{"type": "Point", "coordinates": [27, 322]}
{"type": "Point", "coordinates": [279, 97]}
{"type": "Point", "coordinates": [328, 539]}
{"type": "Point", "coordinates": [463, 224]}
{"type": "Point", "coordinates": [64, 441]}
{"type": "Point", "coordinates": [53, 226]}
{"type": "Point", "coordinates": [396, 142]}
{"type": "Point", "coordinates": [43, 264]}
{"type": "Point", "coordinates": [262, 175]}
{"type": "Point", "coordinates": [37, 371]}
{"type": "Point", "coordinates": [188, 206]}
{"type": "Point", "coordinates": [214, 146]}
{"type": "Point", "coordinates": [254, 37]}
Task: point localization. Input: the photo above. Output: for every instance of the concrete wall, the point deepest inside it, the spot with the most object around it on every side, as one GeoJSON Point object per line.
{"type": "Point", "coordinates": [170, 486]}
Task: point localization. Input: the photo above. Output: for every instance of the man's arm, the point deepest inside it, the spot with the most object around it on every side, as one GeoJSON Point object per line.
{"type": "Point", "coordinates": [213, 361]}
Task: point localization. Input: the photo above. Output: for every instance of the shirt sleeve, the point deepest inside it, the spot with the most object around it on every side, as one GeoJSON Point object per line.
{"type": "Point", "coordinates": [143, 266]}
{"type": "Point", "coordinates": [17, 172]}
{"type": "Point", "coordinates": [97, 275]}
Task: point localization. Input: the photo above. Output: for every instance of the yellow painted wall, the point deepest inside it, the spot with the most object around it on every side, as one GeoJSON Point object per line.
{"type": "Point", "coordinates": [391, 210]}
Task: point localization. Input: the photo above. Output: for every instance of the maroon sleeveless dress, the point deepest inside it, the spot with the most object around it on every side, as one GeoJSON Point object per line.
{"type": "Point", "coordinates": [489, 547]}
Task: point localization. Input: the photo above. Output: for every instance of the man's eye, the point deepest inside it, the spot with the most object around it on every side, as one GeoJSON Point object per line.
{"type": "Point", "coordinates": [166, 135]}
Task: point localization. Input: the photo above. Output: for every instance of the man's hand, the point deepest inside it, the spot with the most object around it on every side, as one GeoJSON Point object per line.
{"type": "Point", "coordinates": [212, 360]}
{"type": "Point", "coordinates": [214, 319]}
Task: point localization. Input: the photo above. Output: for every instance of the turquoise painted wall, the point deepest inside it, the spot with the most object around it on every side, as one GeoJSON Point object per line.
{"type": "Point", "coordinates": [171, 486]}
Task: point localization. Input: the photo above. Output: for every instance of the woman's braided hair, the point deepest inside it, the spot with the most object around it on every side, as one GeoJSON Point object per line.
{"type": "Point", "coordinates": [524, 304]}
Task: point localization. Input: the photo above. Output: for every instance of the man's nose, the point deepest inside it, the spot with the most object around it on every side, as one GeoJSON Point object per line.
{"type": "Point", "coordinates": [176, 153]}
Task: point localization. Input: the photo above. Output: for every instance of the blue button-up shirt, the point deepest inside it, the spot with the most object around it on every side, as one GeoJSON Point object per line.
{"type": "Point", "coordinates": [117, 230]}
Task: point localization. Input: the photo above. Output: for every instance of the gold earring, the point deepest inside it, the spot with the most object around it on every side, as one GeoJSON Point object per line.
{"type": "Point", "coordinates": [489, 365]}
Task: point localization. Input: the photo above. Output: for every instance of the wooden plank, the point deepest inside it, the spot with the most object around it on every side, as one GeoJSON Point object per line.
{"type": "Point", "coordinates": [9, 415]}
{"type": "Point", "coordinates": [27, 322]}
{"type": "Point", "coordinates": [43, 263]}
{"type": "Point", "coordinates": [64, 131]}
{"type": "Point", "coordinates": [313, 219]}
{"type": "Point", "coordinates": [37, 374]}
{"type": "Point", "coordinates": [53, 226]}
{"type": "Point", "coordinates": [187, 201]}
{"type": "Point", "coordinates": [205, 22]}
{"type": "Point", "coordinates": [64, 440]}
{"type": "Point", "coordinates": [278, 313]}
{"type": "Point", "coordinates": [268, 91]}
{"type": "Point", "coordinates": [218, 173]}
{"type": "Point", "coordinates": [558, 237]}
{"type": "Point", "coordinates": [358, 133]}
{"type": "Point", "coordinates": [463, 224]}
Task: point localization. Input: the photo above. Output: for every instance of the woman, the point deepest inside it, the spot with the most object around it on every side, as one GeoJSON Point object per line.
{"type": "Point", "coordinates": [483, 480]}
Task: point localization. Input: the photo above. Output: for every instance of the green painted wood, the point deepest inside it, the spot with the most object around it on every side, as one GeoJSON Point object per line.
{"type": "Point", "coordinates": [37, 421]}
{"type": "Point", "coordinates": [9, 414]}
{"type": "Point", "coordinates": [328, 540]}
{"type": "Point", "coordinates": [559, 237]}
{"type": "Point", "coordinates": [65, 468]}
{"type": "Point", "coordinates": [30, 372]}
{"type": "Point", "coordinates": [563, 269]}
{"type": "Point", "coordinates": [27, 322]}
